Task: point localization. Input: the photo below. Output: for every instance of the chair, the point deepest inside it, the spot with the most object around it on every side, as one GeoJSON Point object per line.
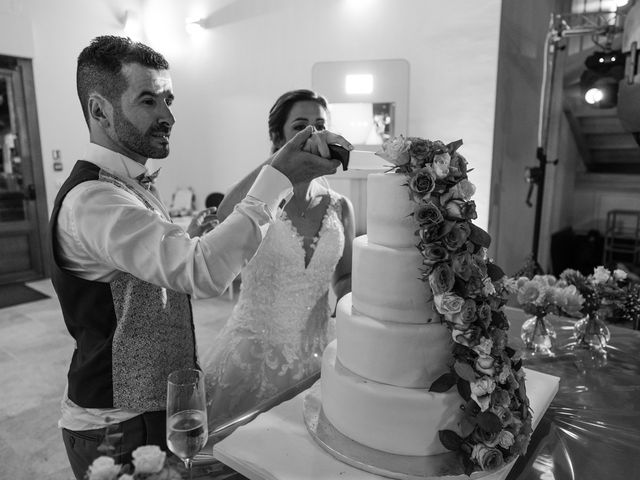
{"type": "Point", "coordinates": [213, 199]}
{"type": "Point", "coordinates": [183, 202]}
{"type": "Point", "coordinates": [622, 237]}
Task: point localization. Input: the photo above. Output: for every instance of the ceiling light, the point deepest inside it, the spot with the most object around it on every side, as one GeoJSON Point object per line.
{"type": "Point", "coordinates": [358, 84]}
{"type": "Point", "coordinates": [195, 27]}
{"type": "Point", "coordinates": [132, 25]}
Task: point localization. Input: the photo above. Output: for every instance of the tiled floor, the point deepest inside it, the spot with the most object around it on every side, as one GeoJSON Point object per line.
{"type": "Point", "coordinates": [35, 349]}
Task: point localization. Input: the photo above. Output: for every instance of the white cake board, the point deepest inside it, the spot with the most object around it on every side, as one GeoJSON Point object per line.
{"type": "Point", "coordinates": [278, 446]}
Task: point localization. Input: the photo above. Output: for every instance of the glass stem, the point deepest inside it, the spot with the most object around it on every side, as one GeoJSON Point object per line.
{"type": "Point", "coordinates": [591, 328]}
{"type": "Point", "coordinates": [188, 463]}
{"type": "Point", "coordinates": [543, 327]}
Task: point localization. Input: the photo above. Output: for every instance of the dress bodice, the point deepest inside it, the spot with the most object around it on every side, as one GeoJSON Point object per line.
{"type": "Point", "coordinates": [278, 291]}
{"type": "Point", "coordinates": [280, 324]}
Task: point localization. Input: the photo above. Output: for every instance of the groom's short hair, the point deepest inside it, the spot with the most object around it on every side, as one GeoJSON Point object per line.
{"type": "Point", "coordinates": [100, 67]}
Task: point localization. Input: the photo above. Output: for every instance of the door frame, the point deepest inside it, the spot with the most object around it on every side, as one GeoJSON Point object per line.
{"type": "Point", "coordinates": [26, 116]}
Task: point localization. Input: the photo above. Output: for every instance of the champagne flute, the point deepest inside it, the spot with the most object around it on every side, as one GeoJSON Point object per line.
{"type": "Point", "coordinates": [186, 414]}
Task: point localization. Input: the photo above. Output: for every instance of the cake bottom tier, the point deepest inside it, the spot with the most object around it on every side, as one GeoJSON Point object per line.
{"type": "Point", "coordinates": [403, 421]}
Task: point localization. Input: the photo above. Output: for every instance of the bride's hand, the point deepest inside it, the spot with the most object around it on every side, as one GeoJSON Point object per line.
{"type": "Point", "coordinates": [302, 162]}
{"type": "Point", "coordinates": [319, 141]}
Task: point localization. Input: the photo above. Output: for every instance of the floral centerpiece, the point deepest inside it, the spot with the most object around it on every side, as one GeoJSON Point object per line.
{"type": "Point", "coordinates": [602, 289]}
{"type": "Point", "coordinates": [544, 294]}
{"type": "Point", "coordinates": [149, 463]}
{"type": "Point", "coordinates": [539, 296]}
{"type": "Point", "coordinates": [469, 292]}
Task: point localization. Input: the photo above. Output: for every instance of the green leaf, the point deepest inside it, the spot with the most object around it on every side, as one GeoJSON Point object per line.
{"type": "Point", "coordinates": [443, 383]}
{"type": "Point", "coordinates": [479, 236]}
{"type": "Point", "coordinates": [464, 389]}
{"type": "Point", "coordinates": [499, 320]}
{"type": "Point", "coordinates": [462, 352]}
{"type": "Point", "coordinates": [489, 422]}
{"type": "Point", "coordinates": [453, 146]}
{"type": "Point", "coordinates": [469, 466]}
{"type": "Point", "coordinates": [466, 371]}
{"type": "Point", "coordinates": [515, 366]}
{"type": "Point", "coordinates": [450, 440]}
{"type": "Point", "coordinates": [472, 409]}
{"type": "Point", "coordinates": [467, 423]}
{"type": "Point", "coordinates": [494, 271]}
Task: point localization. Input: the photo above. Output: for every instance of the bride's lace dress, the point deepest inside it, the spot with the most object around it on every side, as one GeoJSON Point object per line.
{"type": "Point", "coordinates": [280, 326]}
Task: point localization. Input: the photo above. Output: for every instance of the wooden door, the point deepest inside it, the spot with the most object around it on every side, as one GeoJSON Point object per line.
{"type": "Point", "coordinates": [23, 209]}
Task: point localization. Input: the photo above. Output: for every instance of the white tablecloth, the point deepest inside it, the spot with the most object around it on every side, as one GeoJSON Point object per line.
{"type": "Point", "coordinates": [277, 446]}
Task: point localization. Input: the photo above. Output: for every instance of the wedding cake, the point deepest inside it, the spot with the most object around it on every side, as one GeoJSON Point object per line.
{"type": "Point", "coordinates": [420, 365]}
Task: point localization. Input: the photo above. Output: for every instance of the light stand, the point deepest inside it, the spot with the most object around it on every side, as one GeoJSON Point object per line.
{"type": "Point", "coordinates": [594, 24]}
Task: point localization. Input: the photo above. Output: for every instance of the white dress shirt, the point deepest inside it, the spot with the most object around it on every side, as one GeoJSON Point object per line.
{"type": "Point", "coordinates": [104, 230]}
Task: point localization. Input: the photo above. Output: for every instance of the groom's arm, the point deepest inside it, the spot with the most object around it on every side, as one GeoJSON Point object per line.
{"type": "Point", "coordinates": [297, 160]}
{"type": "Point", "coordinates": [237, 192]}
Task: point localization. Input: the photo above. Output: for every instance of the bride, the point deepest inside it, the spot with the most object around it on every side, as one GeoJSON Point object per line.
{"type": "Point", "coordinates": [281, 323]}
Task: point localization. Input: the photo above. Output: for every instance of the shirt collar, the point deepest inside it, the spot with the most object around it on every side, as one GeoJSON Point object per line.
{"type": "Point", "coordinates": [114, 162]}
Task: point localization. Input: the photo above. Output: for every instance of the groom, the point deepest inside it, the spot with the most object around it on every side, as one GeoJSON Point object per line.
{"type": "Point", "coordinates": [123, 273]}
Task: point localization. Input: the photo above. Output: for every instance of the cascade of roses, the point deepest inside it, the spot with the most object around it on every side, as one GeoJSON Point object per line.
{"type": "Point", "coordinates": [469, 292]}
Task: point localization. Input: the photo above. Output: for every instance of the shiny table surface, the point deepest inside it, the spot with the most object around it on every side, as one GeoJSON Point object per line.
{"type": "Point", "coordinates": [590, 431]}
{"type": "Point", "coordinates": [592, 428]}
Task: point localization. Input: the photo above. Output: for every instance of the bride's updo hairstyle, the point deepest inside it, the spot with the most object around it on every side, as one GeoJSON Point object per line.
{"type": "Point", "coordinates": [280, 111]}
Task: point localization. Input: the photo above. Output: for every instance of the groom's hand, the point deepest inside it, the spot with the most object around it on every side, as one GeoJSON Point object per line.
{"type": "Point", "coordinates": [306, 155]}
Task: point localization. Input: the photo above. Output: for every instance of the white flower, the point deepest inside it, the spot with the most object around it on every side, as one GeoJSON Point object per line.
{"type": "Point", "coordinates": [148, 459]}
{"type": "Point", "coordinates": [484, 347]}
{"type": "Point", "coordinates": [480, 390]}
{"type": "Point", "coordinates": [504, 374]}
{"type": "Point", "coordinates": [441, 164]}
{"type": "Point", "coordinates": [104, 468]}
{"type": "Point", "coordinates": [505, 439]}
{"type": "Point", "coordinates": [396, 150]}
{"type": "Point", "coordinates": [484, 364]}
{"type": "Point", "coordinates": [488, 288]}
{"type": "Point", "coordinates": [619, 275]}
{"type": "Point", "coordinates": [601, 274]}
{"type": "Point", "coordinates": [448, 303]}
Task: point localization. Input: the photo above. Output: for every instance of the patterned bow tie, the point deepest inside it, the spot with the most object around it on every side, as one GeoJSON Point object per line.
{"type": "Point", "coordinates": [147, 180]}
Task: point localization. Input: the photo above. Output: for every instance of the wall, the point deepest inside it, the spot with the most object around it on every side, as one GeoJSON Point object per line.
{"type": "Point", "coordinates": [53, 33]}
{"type": "Point", "coordinates": [254, 50]}
{"type": "Point", "coordinates": [522, 41]}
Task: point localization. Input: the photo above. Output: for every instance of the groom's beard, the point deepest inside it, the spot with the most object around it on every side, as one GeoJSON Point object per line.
{"type": "Point", "coordinates": [146, 144]}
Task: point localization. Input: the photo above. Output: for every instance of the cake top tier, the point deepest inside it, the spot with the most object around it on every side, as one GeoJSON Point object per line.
{"type": "Point", "coordinates": [390, 211]}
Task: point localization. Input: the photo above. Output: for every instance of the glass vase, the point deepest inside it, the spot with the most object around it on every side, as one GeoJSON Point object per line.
{"type": "Point", "coordinates": [591, 333]}
{"type": "Point", "coordinates": [539, 336]}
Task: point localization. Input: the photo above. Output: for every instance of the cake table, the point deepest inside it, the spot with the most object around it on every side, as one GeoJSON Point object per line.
{"type": "Point", "coordinates": [278, 446]}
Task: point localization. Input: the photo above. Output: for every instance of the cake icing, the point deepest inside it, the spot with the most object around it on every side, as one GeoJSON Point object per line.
{"type": "Point", "coordinates": [386, 284]}
{"type": "Point", "coordinates": [391, 344]}
{"type": "Point", "coordinates": [403, 421]}
{"type": "Point", "coordinates": [420, 365]}
{"type": "Point", "coordinates": [400, 354]}
{"type": "Point", "coordinates": [389, 211]}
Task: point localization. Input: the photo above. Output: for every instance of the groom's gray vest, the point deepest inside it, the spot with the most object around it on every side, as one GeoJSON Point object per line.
{"type": "Point", "coordinates": [129, 334]}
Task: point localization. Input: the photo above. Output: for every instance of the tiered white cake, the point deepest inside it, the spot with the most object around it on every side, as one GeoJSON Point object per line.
{"type": "Point", "coordinates": [390, 343]}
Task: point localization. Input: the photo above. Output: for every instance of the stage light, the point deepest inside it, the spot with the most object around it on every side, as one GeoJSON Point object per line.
{"type": "Point", "coordinates": [593, 95]}
{"type": "Point", "coordinates": [599, 82]}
